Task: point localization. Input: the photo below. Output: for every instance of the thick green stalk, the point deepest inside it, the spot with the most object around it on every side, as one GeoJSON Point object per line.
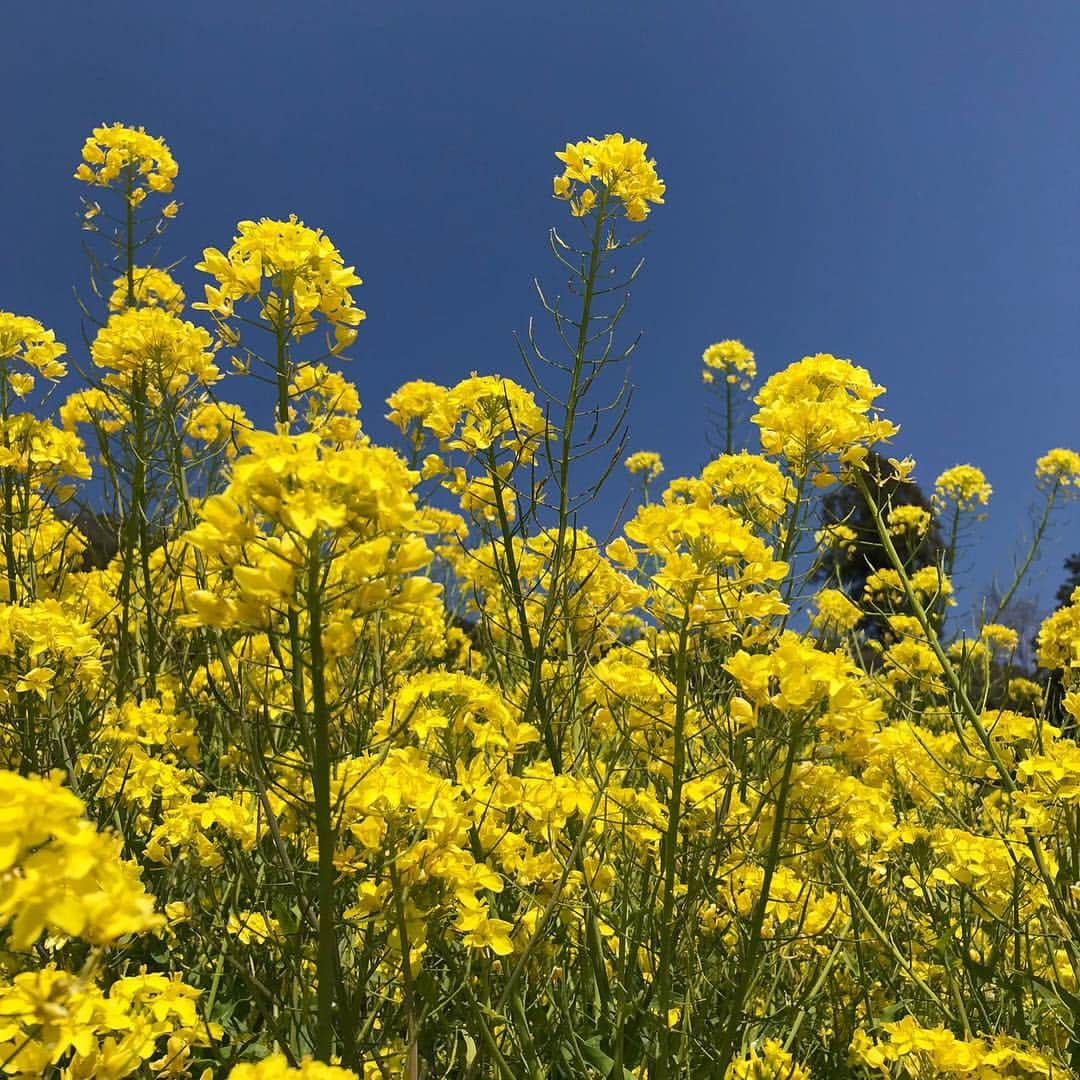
{"type": "Point", "coordinates": [129, 530]}
{"type": "Point", "coordinates": [327, 952]}
{"type": "Point", "coordinates": [671, 849]}
{"type": "Point", "coordinates": [283, 372]}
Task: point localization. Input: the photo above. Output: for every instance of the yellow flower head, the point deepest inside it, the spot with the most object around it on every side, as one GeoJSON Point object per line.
{"type": "Point", "coordinates": [818, 406]}
{"type": "Point", "coordinates": [769, 1061]}
{"type": "Point", "coordinates": [149, 340]}
{"type": "Point", "coordinates": [153, 288]}
{"type": "Point", "coordinates": [611, 166]}
{"type": "Point", "coordinates": [733, 359]}
{"type": "Point", "coordinates": [58, 874]}
{"type": "Point", "coordinates": [835, 612]}
{"type": "Point", "coordinates": [27, 341]}
{"type": "Point", "coordinates": [112, 151]}
{"type": "Point", "coordinates": [908, 521]}
{"type": "Point", "coordinates": [295, 272]}
{"type": "Point", "coordinates": [646, 463]}
{"type": "Point", "coordinates": [963, 486]}
{"type": "Point", "coordinates": [1058, 468]}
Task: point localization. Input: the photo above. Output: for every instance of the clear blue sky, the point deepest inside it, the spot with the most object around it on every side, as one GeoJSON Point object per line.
{"type": "Point", "coordinates": [894, 183]}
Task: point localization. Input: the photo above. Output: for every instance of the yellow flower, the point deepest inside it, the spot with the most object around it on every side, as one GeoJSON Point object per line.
{"type": "Point", "coordinates": [295, 272]}
{"type": "Point", "coordinates": [835, 612]}
{"type": "Point", "coordinates": [818, 406]}
{"type": "Point", "coordinates": [904, 520]}
{"type": "Point", "coordinates": [493, 934]}
{"type": "Point", "coordinates": [1058, 467]}
{"type": "Point", "coordinates": [58, 873]}
{"type": "Point", "coordinates": [961, 486]}
{"type": "Point", "coordinates": [118, 150]}
{"type": "Point", "coordinates": [645, 462]}
{"type": "Point", "coordinates": [769, 1061]}
{"type": "Point", "coordinates": [733, 359]}
{"type": "Point", "coordinates": [618, 167]}
{"type": "Point", "coordinates": [25, 340]}
{"type": "Point", "coordinates": [36, 680]}
{"type": "Point", "coordinates": [155, 344]}
{"type": "Point", "coordinates": [153, 288]}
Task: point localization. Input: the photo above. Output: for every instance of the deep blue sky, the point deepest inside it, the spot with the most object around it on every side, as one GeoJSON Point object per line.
{"type": "Point", "coordinates": [893, 183]}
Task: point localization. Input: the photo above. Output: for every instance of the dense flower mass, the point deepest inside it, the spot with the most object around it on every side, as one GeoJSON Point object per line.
{"type": "Point", "coordinates": [611, 166]}
{"type": "Point", "coordinates": [644, 463]}
{"type": "Point", "coordinates": [295, 273]}
{"type": "Point", "coordinates": [118, 152]}
{"type": "Point", "coordinates": [148, 287]}
{"type": "Point", "coordinates": [152, 344]}
{"type": "Point", "coordinates": [1061, 467]}
{"type": "Point", "coordinates": [27, 342]}
{"type": "Point", "coordinates": [818, 407]}
{"type": "Point", "coordinates": [332, 760]}
{"type": "Point", "coordinates": [733, 360]}
{"type": "Point", "coordinates": [58, 874]}
{"type": "Point", "coordinates": [962, 486]}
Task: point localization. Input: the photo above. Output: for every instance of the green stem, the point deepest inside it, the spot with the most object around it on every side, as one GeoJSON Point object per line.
{"type": "Point", "coordinates": [565, 454]}
{"type": "Point", "coordinates": [671, 849]}
{"type": "Point", "coordinates": [327, 953]}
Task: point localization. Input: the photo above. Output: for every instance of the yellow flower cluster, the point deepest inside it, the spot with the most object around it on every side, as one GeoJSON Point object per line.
{"type": "Point", "coordinates": [474, 416]}
{"type": "Point", "coordinates": [908, 521]}
{"type": "Point", "coordinates": [962, 486]}
{"type": "Point", "coordinates": [45, 649]}
{"type": "Point", "coordinates": [1059, 638]}
{"type": "Point", "coordinates": [152, 344]}
{"type": "Point", "coordinates": [1058, 468]}
{"type": "Point", "coordinates": [58, 873]}
{"type": "Point", "coordinates": [295, 274]}
{"type": "Point", "coordinates": [117, 150]}
{"type": "Point", "coordinates": [151, 288]}
{"type": "Point", "coordinates": [710, 565]}
{"type": "Point", "coordinates": [41, 453]}
{"type": "Point", "coordinates": [645, 463]}
{"type": "Point", "coordinates": [885, 587]}
{"type": "Point", "coordinates": [835, 612]}
{"type": "Point", "coordinates": [769, 1061]}
{"type": "Point", "coordinates": [818, 407]}
{"type": "Point", "coordinates": [756, 487]}
{"type": "Point", "coordinates": [913, 1050]}
{"type": "Point", "coordinates": [609, 167]}
{"type": "Point", "coordinates": [287, 496]}
{"type": "Point", "coordinates": [733, 360]}
{"type": "Point", "coordinates": [838, 536]}
{"type": "Point", "coordinates": [26, 341]}
{"type": "Point", "coordinates": [49, 1017]}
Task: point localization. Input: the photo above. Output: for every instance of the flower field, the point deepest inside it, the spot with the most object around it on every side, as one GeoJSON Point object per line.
{"type": "Point", "coordinates": [325, 758]}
